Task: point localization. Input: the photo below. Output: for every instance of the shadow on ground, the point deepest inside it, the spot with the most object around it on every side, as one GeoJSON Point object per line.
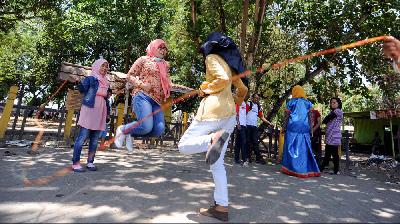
{"type": "Point", "coordinates": [160, 185]}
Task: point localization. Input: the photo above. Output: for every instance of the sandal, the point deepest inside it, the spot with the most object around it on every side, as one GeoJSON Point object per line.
{"type": "Point", "coordinates": [78, 169]}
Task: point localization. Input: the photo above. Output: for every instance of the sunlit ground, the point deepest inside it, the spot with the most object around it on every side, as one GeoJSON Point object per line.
{"type": "Point", "coordinates": [160, 185]}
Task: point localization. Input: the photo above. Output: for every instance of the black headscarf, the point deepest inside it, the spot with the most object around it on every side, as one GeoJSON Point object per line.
{"type": "Point", "coordinates": [222, 45]}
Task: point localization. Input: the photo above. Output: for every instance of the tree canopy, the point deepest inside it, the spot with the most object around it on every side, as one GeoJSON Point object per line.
{"type": "Point", "coordinates": [36, 36]}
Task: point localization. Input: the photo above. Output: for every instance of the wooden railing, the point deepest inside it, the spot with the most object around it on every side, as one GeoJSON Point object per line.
{"type": "Point", "coordinates": [173, 130]}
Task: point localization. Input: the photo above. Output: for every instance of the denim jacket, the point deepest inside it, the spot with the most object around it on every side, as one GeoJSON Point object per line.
{"type": "Point", "coordinates": [89, 86]}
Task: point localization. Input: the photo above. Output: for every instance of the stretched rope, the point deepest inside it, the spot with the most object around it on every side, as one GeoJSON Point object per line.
{"type": "Point", "coordinates": [329, 51]}
{"type": "Point", "coordinates": [62, 172]}
{"type": "Point", "coordinates": [37, 120]}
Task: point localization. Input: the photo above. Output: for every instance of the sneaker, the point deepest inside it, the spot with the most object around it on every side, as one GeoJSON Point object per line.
{"type": "Point", "coordinates": [246, 164]}
{"type": "Point", "coordinates": [91, 167]}
{"type": "Point", "coordinates": [77, 168]}
{"type": "Point", "coordinates": [214, 151]}
{"type": "Point", "coordinates": [333, 173]}
{"type": "Point", "coordinates": [216, 211]}
{"type": "Point", "coordinates": [119, 137]}
{"type": "Point", "coordinates": [129, 143]}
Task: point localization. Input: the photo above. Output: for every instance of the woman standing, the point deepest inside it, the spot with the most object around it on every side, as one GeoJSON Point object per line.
{"type": "Point", "coordinates": [93, 114]}
{"type": "Point", "coordinates": [333, 136]}
{"type": "Point", "coordinates": [216, 115]}
{"type": "Point", "coordinates": [298, 159]}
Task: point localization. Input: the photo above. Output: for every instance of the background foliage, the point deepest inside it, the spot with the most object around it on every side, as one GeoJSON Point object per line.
{"type": "Point", "coordinates": [36, 36]}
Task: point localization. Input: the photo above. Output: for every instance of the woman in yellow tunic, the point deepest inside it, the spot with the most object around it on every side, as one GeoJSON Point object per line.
{"type": "Point", "coordinates": [216, 115]}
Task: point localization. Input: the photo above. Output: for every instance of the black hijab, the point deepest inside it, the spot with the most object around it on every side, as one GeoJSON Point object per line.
{"type": "Point", "coordinates": [222, 45]}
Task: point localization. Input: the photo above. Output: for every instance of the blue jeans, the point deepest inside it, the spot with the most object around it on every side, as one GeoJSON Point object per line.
{"type": "Point", "coordinates": [93, 139]}
{"type": "Point", "coordinates": [147, 124]}
{"type": "Point", "coordinates": [240, 144]}
{"type": "Point", "coordinates": [103, 134]}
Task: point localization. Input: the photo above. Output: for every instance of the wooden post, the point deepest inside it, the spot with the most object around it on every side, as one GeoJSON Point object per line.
{"type": "Point", "coordinates": [391, 137]}
{"type": "Point", "coordinates": [17, 112]}
{"type": "Point", "coordinates": [347, 148]}
{"type": "Point", "coordinates": [112, 126]}
{"type": "Point", "coordinates": [74, 102]}
{"type": "Point", "coordinates": [60, 124]}
{"type": "Point", "coordinates": [5, 118]}
{"type": "Point", "coordinates": [167, 109]}
{"type": "Point", "coordinates": [152, 142]}
{"type": "Point", "coordinates": [68, 124]}
{"type": "Point", "coordinates": [185, 121]}
{"type": "Point", "coordinates": [271, 133]}
{"type": "Point", "coordinates": [276, 136]}
{"type": "Point", "coordinates": [21, 131]}
{"type": "Point", "coordinates": [281, 141]}
{"type": "Point", "coordinates": [120, 115]}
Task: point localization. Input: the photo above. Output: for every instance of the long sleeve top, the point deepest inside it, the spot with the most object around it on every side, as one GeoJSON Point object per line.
{"type": "Point", "coordinates": [145, 70]}
{"type": "Point", "coordinates": [333, 124]}
{"type": "Point", "coordinates": [219, 102]}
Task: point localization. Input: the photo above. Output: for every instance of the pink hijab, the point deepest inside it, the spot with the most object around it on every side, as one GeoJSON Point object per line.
{"type": "Point", "coordinates": [162, 65]}
{"type": "Point", "coordinates": [96, 72]}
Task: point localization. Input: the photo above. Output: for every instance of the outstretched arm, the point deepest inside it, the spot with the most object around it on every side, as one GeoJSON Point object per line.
{"type": "Point", "coordinates": [241, 91]}
{"type": "Point", "coordinates": [266, 121]}
{"type": "Point", "coordinates": [391, 49]}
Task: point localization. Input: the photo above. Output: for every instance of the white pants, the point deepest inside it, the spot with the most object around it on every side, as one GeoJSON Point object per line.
{"type": "Point", "coordinates": [197, 139]}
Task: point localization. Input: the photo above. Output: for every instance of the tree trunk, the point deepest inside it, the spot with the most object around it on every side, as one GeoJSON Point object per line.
{"type": "Point", "coordinates": [243, 30]}
{"type": "Point", "coordinates": [222, 19]}
{"type": "Point", "coordinates": [262, 15]}
{"type": "Point", "coordinates": [194, 28]}
{"type": "Point", "coordinates": [251, 47]}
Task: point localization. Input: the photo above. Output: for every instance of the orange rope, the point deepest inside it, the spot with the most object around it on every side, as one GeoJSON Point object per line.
{"type": "Point", "coordinates": [38, 137]}
{"type": "Point", "coordinates": [63, 172]}
{"type": "Point", "coordinates": [329, 51]}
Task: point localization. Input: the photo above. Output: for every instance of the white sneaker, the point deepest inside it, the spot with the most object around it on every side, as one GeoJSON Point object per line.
{"type": "Point", "coordinates": [119, 137]}
{"type": "Point", "coordinates": [246, 164]}
{"type": "Point", "coordinates": [129, 143]}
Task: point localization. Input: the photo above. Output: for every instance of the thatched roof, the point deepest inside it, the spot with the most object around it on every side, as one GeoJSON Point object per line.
{"type": "Point", "coordinates": [71, 71]}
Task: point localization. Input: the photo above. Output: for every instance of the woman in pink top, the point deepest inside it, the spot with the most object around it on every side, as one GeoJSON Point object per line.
{"type": "Point", "coordinates": [151, 87]}
{"type": "Point", "coordinates": [93, 114]}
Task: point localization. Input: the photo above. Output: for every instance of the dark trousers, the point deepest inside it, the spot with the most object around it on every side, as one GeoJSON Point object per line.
{"type": "Point", "coordinates": [240, 143]}
{"type": "Point", "coordinates": [316, 147]}
{"type": "Point", "coordinates": [252, 142]}
{"type": "Point", "coordinates": [331, 151]}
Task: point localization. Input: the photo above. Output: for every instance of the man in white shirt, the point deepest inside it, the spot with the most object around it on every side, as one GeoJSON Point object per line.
{"type": "Point", "coordinates": [254, 111]}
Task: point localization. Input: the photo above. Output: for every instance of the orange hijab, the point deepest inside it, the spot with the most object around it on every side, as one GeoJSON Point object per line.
{"type": "Point", "coordinates": [298, 92]}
